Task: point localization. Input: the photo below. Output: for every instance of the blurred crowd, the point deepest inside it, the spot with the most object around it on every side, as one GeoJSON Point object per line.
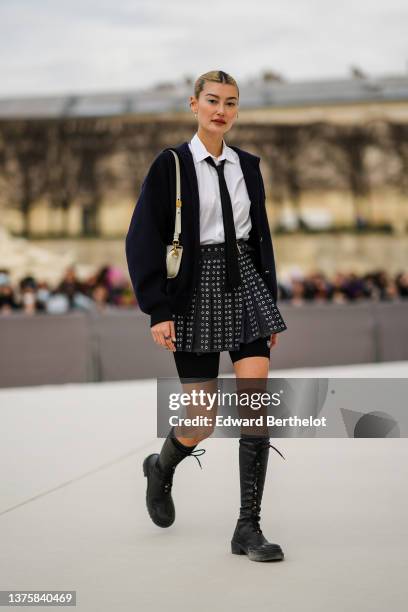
{"type": "Point", "coordinates": [110, 289]}
{"type": "Point", "coordinates": [344, 288]}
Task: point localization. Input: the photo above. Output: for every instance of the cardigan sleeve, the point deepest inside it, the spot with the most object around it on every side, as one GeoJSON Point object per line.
{"type": "Point", "coordinates": [268, 238]}
{"type": "Point", "coordinates": [146, 242]}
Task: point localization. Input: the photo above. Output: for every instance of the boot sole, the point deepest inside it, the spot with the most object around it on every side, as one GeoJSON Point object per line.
{"type": "Point", "coordinates": [277, 555]}
{"type": "Point", "coordinates": [146, 474]}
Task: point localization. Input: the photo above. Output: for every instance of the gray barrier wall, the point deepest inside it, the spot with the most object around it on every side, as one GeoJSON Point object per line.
{"type": "Point", "coordinates": [117, 345]}
{"type": "Point", "coordinates": [44, 349]}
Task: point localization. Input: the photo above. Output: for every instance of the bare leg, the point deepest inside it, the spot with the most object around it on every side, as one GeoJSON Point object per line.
{"type": "Point", "coordinates": [191, 436]}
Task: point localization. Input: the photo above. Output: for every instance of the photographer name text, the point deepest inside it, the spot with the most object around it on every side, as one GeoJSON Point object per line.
{"type": "Point", "coordinates": [260, 421]}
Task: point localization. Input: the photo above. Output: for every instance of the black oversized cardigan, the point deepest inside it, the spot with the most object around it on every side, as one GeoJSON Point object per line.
{"type": "Point", "coordinates": [152, 228]}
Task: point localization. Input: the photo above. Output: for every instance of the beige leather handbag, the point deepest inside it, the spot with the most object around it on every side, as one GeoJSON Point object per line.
{"type": "Point", "coordinates": [175, 250]}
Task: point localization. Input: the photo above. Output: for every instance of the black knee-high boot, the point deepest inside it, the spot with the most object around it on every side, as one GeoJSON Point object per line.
{"type": "Point", "coordinates": [159, 470]}
{"type": "Point", "coordinates": [248, 538]}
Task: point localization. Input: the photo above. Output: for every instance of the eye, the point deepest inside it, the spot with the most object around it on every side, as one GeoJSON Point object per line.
{"type": "Point", "coordinates": [211, 100]}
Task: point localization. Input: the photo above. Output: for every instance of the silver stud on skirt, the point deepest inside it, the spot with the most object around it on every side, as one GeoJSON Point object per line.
{"type": "Point", "coordinates": [220, 320]}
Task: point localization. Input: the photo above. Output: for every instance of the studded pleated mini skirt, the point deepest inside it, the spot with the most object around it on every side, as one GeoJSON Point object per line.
{"type": "Point", "coordinates": [221, 320]}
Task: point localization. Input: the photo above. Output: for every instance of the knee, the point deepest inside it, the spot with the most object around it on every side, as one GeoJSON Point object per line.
{"type": "Point", "coordinates": [200, 434]}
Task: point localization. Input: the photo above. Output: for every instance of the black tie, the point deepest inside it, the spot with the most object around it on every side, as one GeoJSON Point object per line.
{"type": "Point", "coordinates": [233, 274]}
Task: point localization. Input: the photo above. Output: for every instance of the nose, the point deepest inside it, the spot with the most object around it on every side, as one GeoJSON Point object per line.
{"type": "Point", "coordinates": [220, 110]}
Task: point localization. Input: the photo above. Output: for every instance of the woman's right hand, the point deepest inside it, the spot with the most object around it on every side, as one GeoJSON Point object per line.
{"type": "Point", "coordinates": [164, 334]}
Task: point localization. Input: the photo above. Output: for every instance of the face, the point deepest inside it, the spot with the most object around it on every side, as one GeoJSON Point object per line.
{"type": "Point", "coordinates": [216, 107]}
{"type": "Point", "coordinates": [100, 294]}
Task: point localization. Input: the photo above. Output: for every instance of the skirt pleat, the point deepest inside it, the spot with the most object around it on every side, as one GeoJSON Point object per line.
{"type": "Point", "coordinates": [238, 315]}
{"type": "Point", "coordinates": [221, 320]}
{"type": "Point", "coordinates": [217, 311]}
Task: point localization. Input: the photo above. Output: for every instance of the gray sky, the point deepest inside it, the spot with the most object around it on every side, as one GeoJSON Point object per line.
{"type": "Point", "coordinates": [73, 46]}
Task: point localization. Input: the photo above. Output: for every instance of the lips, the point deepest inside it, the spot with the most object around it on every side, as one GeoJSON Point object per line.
{"type": "Point", "coordinates": [220, 122]}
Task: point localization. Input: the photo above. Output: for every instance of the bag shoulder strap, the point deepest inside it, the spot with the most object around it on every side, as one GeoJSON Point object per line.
{"type": "Point", "coordinates": [177, 224]}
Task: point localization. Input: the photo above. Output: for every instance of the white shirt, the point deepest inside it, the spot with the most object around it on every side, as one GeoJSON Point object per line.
{"type": "Point", "coordinates": [211, 223]}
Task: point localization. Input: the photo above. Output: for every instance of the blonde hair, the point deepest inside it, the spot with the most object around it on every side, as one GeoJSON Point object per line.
{"type": "Point", "coordinates": [215, 76]}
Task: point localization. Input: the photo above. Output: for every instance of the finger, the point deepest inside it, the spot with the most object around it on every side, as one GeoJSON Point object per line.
{"type": "Point", "coordinates": [169, 340]}
{"type": "Point", "coordinates": [155, 335]}
{"type": "Point", "coordinates": [173, 336]}
{"type": "Point", "coordinates": [169, 344]}
{"type": "Point", "coordinates": [173, 331]}
{"type": "Point", "coordinates": [159, 338]}
{"type": "Point", "coordinates": [162, 339]}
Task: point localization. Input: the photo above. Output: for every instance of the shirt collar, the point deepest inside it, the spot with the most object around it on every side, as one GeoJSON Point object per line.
{"type": "Point", "coordinates": [200, 152]}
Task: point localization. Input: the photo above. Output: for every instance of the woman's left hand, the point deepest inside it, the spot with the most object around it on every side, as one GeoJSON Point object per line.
{"type": "Point", "coordinates": [274, 340]}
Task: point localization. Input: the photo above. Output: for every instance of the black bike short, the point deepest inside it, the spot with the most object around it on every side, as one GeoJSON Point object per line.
{"type": "Point", "coordinates": [205, 366]}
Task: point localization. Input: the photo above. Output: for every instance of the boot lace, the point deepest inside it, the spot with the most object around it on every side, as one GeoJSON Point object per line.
{"type": "Point", "coordinates": [278, 451]}
{"type": "Point", "coordinates": [256, 508]}
{"type": "Point", "coordinates": [196, 453]}
{"type": "Point", "coordinates": [169, 482]}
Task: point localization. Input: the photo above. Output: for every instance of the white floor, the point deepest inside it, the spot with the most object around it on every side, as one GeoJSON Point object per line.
{"type": "Point", "coordinates": [72, 510]}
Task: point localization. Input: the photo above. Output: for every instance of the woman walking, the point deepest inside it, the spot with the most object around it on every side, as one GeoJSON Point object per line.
{"type": "Point", "coordinates": [223, 297]}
